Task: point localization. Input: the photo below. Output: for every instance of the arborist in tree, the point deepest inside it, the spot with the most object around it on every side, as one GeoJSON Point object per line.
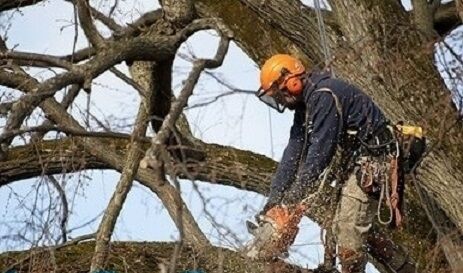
{"type": "Point", "coordinates": [338, 136]}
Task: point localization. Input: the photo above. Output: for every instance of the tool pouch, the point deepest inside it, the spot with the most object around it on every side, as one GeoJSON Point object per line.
{"type": "Point", "coordinates": [371, 174]}
{"type": "Point", "coordinates": [381, 178]}
{"type": "Point", "coordinates": [412, 144]}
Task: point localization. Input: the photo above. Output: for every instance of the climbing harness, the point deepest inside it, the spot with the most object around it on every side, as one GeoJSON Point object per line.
{"type": "Point", "coordinates": [382, 173]}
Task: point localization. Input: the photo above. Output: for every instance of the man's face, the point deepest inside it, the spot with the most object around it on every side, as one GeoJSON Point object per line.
{"type": "Point", "coordinates": [279, 99]}
{"type": "Point", "coordinates": [284, 98]}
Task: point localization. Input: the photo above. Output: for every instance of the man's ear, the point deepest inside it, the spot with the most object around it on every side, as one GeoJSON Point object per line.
{"type": "Point", "coordinates": [251, 227]}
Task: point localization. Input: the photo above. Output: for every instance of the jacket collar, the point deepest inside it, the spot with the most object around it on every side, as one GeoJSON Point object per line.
{"type": "Point", "coordinates": [313, 79]}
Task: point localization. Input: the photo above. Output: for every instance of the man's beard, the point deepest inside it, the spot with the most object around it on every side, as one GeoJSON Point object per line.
{"type": "Point", "coordinates": [287, 100]}
{"type": "Point", "coordinates": [291, 102]}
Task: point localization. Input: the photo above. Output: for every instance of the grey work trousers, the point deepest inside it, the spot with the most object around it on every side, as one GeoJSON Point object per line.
{"type": "Point", "coordinates": [354, 216]}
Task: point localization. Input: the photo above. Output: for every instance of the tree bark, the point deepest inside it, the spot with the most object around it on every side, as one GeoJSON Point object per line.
{"type": "Point", "coordinates": [459, 5]}
{"type": "Point", "coordinates": [143, 257]}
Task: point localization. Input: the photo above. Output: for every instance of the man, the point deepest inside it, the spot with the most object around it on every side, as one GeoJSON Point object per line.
{"type": "Point", "coordinates": [331, 117]}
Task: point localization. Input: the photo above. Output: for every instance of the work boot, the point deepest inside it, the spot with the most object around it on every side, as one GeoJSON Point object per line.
{"type": "Point", "coordinates": [352, 261]}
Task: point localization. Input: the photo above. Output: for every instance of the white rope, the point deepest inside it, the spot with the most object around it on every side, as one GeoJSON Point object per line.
{"type": "Point", "coordinates": [271, 132]}
{"type": "Point", "coordinates": [322, 33]}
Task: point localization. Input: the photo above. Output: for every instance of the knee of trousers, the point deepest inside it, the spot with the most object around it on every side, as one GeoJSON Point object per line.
{"type": "Point", "coordinates": [352, 261]}
{"type": "Point", "coordinates": [352, 223]}
{"type": "Point", "coordinates": [350, 236]}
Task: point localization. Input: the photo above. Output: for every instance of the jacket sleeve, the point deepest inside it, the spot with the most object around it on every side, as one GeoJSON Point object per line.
{"type": "Point", "coordinates": [289, 164]}
{"type": "Point", "coordinates": [322, 146]}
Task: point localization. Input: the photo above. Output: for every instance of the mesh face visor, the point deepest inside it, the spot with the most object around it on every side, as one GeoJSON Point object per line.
{"type": "Point", "coordinates": [271, 100]}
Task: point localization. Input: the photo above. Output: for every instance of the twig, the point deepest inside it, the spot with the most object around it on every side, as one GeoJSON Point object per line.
{"type": "Point", "coordinates": [216, 98]}
{"type": "Point", "coordinates": [53, 248]}
{"type": "Point", "coordinates": [128, 81]}
{"type": "Point", "coordinates": [66, 103]}
{"type": "Point", "coordinates": [108, 21]}
{"type": "Point", "coordinates": [64, 201]}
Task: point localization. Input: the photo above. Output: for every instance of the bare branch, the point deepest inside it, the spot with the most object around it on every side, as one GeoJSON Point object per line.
{"type": "Point", "coordinates": [44, 128]}
{"type": "Point", "coordinates": [128, 81]}
{"type": "Point", "coordinates": [53, 248]}
{"type": "Point", "coordinates": [64, 202]}
{"type": "Point", "coordinates": [134, 155]}
{"type": "Point", "coordinates": [216, 98]}
{"type": "Point", "coordinates": [68, 99]}
{"type": "Point", "coordinates": [108, 21]}
{"type": "Point", "coordinates": [86, 22]}
{"type": "Point", "coordinates": [34, 59]}
{"type": "Point", "coordinates": [165, 192]}
{"type": "Point", "coordinates": [148, 48]}
{"type": "Point", "coordinates": [80, 55]}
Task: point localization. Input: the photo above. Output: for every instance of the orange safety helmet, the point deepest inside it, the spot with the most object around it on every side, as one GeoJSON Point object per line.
{"type": "Point", "coordinates": [283, 70]}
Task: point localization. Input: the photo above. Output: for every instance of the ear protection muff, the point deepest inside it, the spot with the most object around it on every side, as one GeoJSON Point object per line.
{"type": "Point", "coordinates": [293, 84]}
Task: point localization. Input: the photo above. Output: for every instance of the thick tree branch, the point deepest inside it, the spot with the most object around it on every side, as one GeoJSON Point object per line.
{"type": "Point", "coordinates": [459, 6]}
{"type": "Point", "coordinates": [132, 30]}
{"type": "Point", "coordinates": [34, 59]}
{"type": "Point", "coordinates": [14, 4]}
{"type": "Point", "coordinates": [128, 81]}
{"type": "Point", "coordinates": [23, 259]}
{"type": "Point", "coordinates": [140, 257]}
{"type": "Point", "coordinates": [423, 14]}
{"type": "Point", "coordinates": [86, 22]}
{"type": "Point", "coordinates": [134, 155]}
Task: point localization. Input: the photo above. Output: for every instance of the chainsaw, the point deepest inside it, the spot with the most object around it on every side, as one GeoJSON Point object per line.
{"type": "Point", "coordinates": [274, 232]}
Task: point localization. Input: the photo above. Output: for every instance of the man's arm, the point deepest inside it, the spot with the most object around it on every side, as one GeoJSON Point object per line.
{"type": "Point", "coordinates": [287, 168]}
{"type": "Point", "coordinates": [322, 146]}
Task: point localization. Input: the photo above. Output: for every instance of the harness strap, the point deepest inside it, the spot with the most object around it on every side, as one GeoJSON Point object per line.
{"type": "Point", "coordinates": [395, 197]}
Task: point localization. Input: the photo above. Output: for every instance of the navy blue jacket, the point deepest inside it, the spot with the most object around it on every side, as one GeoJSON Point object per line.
{"type": "Point", "coordinates": [321, 135]}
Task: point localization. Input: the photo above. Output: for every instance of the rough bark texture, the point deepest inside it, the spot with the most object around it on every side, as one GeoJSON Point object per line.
{"type": "Point", "coordinates": [146, 257]}
{"type": "Point", "coordinates": [459, 4]}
